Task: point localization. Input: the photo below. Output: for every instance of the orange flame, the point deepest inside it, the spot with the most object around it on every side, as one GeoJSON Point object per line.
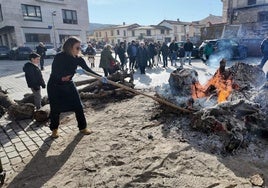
{"type": "Point", "coordinates": [218, 83]}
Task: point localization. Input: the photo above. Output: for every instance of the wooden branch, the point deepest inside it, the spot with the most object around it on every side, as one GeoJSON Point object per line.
{"type": "Point", "coordinates": [140, 93]}
{"type": "Point", "coordinates": [103, 94]}
{"type": "Point", "coordinates": [84, 82]}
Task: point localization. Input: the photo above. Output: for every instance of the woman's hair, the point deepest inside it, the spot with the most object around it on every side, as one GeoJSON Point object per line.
{"type": "Point", "coordinates": [69, 43]}
{"type": "Point", "coordinates": [33, 55]}
{"type": "Point", "coordinates": [108, 46]}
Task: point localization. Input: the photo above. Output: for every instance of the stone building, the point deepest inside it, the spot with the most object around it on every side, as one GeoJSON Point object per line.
{"type": "Point", "coordinates": [114, 34]}
{"type": "Point", "coordinates": [152, 33]}
{"type": "Point", "coordinates": [246, 20]}
{"type": "Point", "coordinates": [179, 30]}
{"type": "Point", "coordinates": [210, 27]}
{"type": "Point", "coordinates": [27, 22]}
{"type": "Point", "coordinates": [131, 32]}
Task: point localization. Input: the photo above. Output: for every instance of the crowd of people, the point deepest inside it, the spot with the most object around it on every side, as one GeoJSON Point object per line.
{"type": "Point", "coordinates": [134, 55]}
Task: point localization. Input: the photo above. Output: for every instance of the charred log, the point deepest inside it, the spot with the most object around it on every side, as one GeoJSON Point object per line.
{"type": "Point", "coordinates": [29, 98]}
{"type": "Point", "coordinates": [5, 101]}
{"type": "Point", "coordinates": [42, 114]}
{"type": "Point", "coordinates": [22, 111]}
{"type": "Point", "coordinates": [115, 93]}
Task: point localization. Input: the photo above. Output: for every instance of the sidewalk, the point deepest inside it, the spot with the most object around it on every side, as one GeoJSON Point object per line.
{"type": "Point", "coordinates": [20, 140]}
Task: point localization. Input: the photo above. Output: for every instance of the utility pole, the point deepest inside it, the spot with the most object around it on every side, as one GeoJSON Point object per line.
{"type": "Point", "coordinates": [54, 29]}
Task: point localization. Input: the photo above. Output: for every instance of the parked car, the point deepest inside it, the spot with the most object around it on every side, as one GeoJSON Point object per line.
{"type": "Point", "coordinates": [226, 48]}
{"type": "Point", "coordinates": [4, 51]}
{"type": "Point", "coordinates": [51, 52]}
{"type": "Point", "coordinates": [19, 53]}
{"type": "Point", "coordinates": [195, 52]}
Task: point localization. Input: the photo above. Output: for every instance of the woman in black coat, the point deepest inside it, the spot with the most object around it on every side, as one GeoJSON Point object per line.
{"type": "Point", "coordinates": [142, 57]}
{"type": "Point", "coordinates": [62, 93]}
{"type": "Point", "coordinates": [122, 54]}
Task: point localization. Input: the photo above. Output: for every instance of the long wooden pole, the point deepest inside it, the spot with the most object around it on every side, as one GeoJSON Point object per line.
{"type": "Point", "coordinates": [140, 93]}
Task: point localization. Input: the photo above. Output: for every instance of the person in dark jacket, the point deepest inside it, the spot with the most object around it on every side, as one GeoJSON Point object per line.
{"type": "Point", "coordinates": [181, 54]}
{"type": "Point", "coordinates": [41, 50]}
{"type": "Point", "coordinates": [188, 47]}
{"type": "Point", "coordinates": [62, 93]}
{"type": "Point", "coordinates": [132, 54]}
{"type": "Point", "coordinates": [173, 48]}
{"type": "Point", "coordinates": [122, 54]}
{"type": "Point", "coordinates": [264, 51]}
{"type": "Point", "coordinates": [142, 57]}
{"type": "Point", "coordinates": [165, 52]}
{"type": "Point", "coordinates": [91, 52]}
{"type": "Point", "coordinates": [34, 78]}
{"type": "Point", "coordinates": [107, 61]}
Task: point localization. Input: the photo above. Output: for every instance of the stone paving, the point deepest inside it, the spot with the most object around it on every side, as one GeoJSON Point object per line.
{"type": "Point", "coordinates": [21, 140]}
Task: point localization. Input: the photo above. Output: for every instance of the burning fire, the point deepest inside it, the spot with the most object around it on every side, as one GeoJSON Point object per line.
{"type": "Point", "coordinates": [220, 84]}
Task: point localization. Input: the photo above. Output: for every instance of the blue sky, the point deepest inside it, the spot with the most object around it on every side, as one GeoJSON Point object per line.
{"type": "Point", "coordinates": [150, 12]}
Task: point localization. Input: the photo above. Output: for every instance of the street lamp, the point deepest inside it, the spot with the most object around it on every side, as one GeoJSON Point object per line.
{"type": "Point", "coordinates": [54, 30]}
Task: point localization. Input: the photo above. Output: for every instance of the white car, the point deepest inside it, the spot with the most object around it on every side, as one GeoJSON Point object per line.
{"type": "Point", "coordinates": [51, 51]}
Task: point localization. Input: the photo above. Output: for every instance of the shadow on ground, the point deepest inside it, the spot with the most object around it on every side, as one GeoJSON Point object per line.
{"type": "Point", "coordinates": [34, 175]}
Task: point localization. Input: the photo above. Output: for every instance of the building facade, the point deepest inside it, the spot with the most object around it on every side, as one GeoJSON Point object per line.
{"type": "Point", "coordinates": [247, 21]}
{"type": "Point", "coordinates": [210, 27]}
{"type": "Point", "coordinates": [179, 30]}
{"type": "Point", "coordinates": [28, 22]}
{"type": "Point", "coordinates": [113, 34]}
{"type": "Point", "coordinates": [131, 32]}
{"type": "Point", "coordinates": [151, 33]}
{"type": "Point", "coordinates": [250, 17]}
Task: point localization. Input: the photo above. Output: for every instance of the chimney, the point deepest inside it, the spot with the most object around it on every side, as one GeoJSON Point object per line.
{"type": "Point", "coordinates": [178, 19]}
{"type": "Point", "coordinates": [124, 23]}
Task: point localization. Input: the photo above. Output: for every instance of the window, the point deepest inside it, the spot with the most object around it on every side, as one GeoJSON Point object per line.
{"type": "Point", "coordinates": [263, 16]}
{"type": "Point", "coordinates": [69, 16]}
{"type": "Point", "coordinates": [34, 37]}
{"type": "Point", "coordinates": [125, 33]}
{"type": "Point", "coordinates": [1, 15]}
{"type": "Point", "coordinates": [251, 2]}
{"type": "Point", "coordinates": [31, 12]}
{"type": "Point", "coordinates": [133, 33]}
{"type": "Point", "coordinates": [148, 32]}
{"type": "Point", "coordinates": [112, 32]}
{"type": "Point", "coordinates": [162, 31]}
{"type": "Point", "coordinates": [118, 32]}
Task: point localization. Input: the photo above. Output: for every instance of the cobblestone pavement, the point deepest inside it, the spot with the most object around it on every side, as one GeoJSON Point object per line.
{"type": "Point", "coordinates": [21, 140]}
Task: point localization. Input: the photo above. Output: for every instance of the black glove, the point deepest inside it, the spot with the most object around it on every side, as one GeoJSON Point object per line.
{"type": "Point", "coordinates": [44, 86]}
